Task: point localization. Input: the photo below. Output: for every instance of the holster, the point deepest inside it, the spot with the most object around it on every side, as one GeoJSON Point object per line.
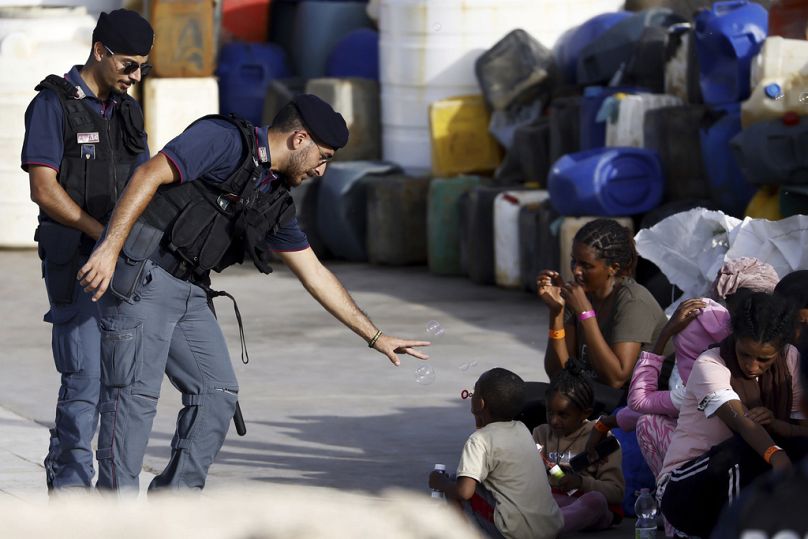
{"type": "Point", "coordinates": [141, 243]}
{"type": "Point", "coordinates": [59, 252]}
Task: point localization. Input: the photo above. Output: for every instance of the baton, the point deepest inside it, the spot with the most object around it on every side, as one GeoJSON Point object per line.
{"type": "Point", "coordinates": [238, 421]}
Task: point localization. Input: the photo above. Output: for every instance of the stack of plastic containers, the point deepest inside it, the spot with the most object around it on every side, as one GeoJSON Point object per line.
{"type": "Point", "coordinates": [427, 51]}
{"type": "Point", "coordinates": [727, 38]}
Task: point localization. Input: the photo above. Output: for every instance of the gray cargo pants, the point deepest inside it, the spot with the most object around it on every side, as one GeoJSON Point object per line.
{"type": "Point", "coordinates": [169, 328]}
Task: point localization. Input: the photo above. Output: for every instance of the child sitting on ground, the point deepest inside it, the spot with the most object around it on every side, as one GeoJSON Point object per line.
{"type": "Point", "coordinates": [589, 500]}
{"type": "Point", "coordinates": [501, 481]}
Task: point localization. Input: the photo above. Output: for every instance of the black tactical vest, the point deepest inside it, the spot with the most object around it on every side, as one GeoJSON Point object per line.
{"type": "Point", "coordinates": [99, 154]}
{"type": "Point", "coordinates": [210, 226]}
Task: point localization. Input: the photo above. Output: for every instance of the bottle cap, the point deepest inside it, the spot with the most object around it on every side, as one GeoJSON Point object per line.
{"type": "Point", "coordinates": [773, 91]}
{"type": "Point", "coordinates": [440, 467]}
{"type": "Point", "coordinates": [557, 472]}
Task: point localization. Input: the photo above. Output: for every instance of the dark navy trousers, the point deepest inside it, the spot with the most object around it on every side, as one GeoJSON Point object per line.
{"type": "Point", "coordinates": [75, 340]}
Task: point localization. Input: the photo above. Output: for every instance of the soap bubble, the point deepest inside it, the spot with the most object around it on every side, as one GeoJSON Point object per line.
{"type": "Point", "coordinates": [436, 27]}
{"type": "Point", "coordinates": [467, 366]}
{"type": "Point", "coordinates": [424, 375]}
{"type": "Point", "coordinates": [434, 329]}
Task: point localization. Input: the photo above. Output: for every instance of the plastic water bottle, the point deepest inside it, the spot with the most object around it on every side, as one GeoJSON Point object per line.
{"type": "Point", "coordinates": [437, 494]}
{"type": "Point", "coordinates": [646, 510]}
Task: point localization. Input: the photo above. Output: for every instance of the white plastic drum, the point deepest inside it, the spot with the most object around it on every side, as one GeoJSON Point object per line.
{"type": "Point", "coordinates": [506, 234]}
{"type": "Point", "coordinates": [427, 50]}
{"type": "Point", "coordinates": [34, 42]}
{"type": "Point", "coordinates": [166, 116]}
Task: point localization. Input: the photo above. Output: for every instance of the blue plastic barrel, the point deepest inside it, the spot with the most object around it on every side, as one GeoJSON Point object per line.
{"type": "Point", "coordinates": [606, 182]}
{"type": "Point", "coordinates": [569, 46]}
{"type": "Point", "coordinates": [355, 55]}
{"type": "Point", "coordinates": [593, 130]}
{"type": "Point", "coordinates": [728, 188]}
{"type": "Point", "coordinates": [603, 57]}
{"type": "Point", "coordinates": [727, 37]}
{"type": "Point", "coordinates": [245, 72]}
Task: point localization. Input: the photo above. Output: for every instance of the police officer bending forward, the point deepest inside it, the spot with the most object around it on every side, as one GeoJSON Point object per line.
{"type": "Point", "coordinates": [217, 191]}
{"type": "Point", "coordinates": [83, 138]}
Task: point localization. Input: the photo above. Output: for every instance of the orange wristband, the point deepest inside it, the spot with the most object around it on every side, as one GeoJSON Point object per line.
{"type": "Point", "coordinates": [600, 426]}
{"type": "Point", "coordinates": [767, 456]}
{"type": "Point", "coordinates": [557, 334]}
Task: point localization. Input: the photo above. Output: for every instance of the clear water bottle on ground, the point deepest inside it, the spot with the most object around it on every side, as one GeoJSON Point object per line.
{"type": "Point", "coordinates": [437, 494]}
{"type": "Point", "coordinates": [646, 510]}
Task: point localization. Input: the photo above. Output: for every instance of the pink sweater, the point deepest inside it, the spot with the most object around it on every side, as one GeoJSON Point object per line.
{"type": "Point", "coordinates": [644, 395]}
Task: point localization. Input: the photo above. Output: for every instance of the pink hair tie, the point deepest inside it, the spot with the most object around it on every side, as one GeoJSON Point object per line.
{"type": "Point", "coordinates": [586, 315]}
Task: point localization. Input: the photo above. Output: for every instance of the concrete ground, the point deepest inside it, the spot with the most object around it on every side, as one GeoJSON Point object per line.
{"type": "Point", "coordinates": [322, 410]}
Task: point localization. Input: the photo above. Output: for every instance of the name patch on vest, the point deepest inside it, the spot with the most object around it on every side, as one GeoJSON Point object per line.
{"type": "Point", "coordinates": [87, 138]}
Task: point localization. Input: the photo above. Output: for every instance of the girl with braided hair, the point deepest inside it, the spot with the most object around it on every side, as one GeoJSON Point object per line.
{"type": "Point", "coordinates": [601, 319]}
{"type": "Point", "coordinates": [741, 407]}
{"type": "Point", "coordinates": [589, 500]}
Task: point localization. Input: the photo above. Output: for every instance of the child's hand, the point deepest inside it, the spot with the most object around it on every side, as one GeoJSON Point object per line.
{"type": "Point", "coordinates": [570, 481]}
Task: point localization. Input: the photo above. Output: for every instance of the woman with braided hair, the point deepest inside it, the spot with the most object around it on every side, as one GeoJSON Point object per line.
{"type": "Point", "coordinates": [740, 409]}
{"type": "Point", "coordinates": [600, 320]}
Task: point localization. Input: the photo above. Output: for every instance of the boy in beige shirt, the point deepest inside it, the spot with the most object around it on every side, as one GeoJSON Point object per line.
{"type": "Point", "coordinates": [501, 481]}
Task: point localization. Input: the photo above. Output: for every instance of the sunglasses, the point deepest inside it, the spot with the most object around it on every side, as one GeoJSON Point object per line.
{"type": "Point", "coordinates": [130, 67]}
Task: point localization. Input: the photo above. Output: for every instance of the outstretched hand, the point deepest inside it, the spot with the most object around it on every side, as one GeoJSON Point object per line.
{"type": "Point", "coordinates": [392, 346]}
{"type": "Point", "coordinates": [96, 274]}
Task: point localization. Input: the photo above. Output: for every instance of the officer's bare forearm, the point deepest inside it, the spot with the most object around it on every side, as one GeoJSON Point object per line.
{"type": "Point", "coordinates": [51, 197]}
{"type": "Point", "coordinates": [136, 197]}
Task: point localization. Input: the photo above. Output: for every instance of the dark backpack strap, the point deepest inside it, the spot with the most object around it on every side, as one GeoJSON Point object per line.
{"type": "Point", "coordinates": [60, 85]}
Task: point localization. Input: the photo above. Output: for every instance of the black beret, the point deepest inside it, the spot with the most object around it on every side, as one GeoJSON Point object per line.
{"type": "Point", "coordinates": [325, 124]}
{"type": "Point", "coordinates": [124, 32]}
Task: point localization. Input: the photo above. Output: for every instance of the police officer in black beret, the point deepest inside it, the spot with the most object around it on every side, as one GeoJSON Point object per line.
{"type": "Point", "coordinates": [83, 139]}
{"type": "Point", "coordinates": [214, 196]}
